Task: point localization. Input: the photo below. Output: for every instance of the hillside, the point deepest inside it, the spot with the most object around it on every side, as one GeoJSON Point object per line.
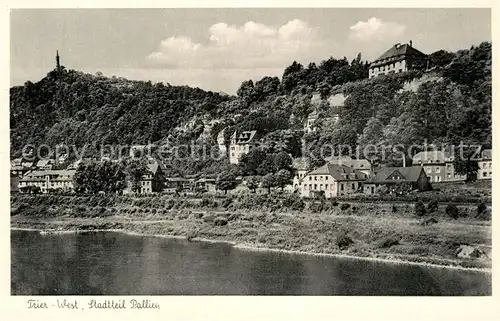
{"type": "Point", "coordinates": [451, 105]}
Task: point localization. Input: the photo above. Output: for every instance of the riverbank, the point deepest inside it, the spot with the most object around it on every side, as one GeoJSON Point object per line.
{"type": "Point", "coordinates": [362, 234]}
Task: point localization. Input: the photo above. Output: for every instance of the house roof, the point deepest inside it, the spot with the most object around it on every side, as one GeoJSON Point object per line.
{"type": "Point", "coordinates": [339, 172]}
{"type": "Point", "coordinates": [359, 164]}
{"type": "Point", "coordinates": [62, 174]}
{"type": "Point", "coordinates": [397, 52]}
{"type": "Point", "coordinates": [409, 175]}
{"type": "Point", "coordinates": [246, 137]}
{"type": "Point", "coordinates": [153, 168]}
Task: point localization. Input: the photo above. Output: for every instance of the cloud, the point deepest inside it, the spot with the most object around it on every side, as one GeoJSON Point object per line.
{"type": "Point", "coordinates": [374, 29]}
{"type": "Point", "coordinates": [251, 45]}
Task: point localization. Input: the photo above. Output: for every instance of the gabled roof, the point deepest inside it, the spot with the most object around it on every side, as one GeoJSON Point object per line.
{"type": "Point", "coordinates": [62, 174]}
{"type": "Point", "coordinates": [153, 168]}
{"type": "Point", "coordinates": [397, 52]}
{"type": "Point", "coordinates": [246, 137]}
{"type": "Point", "coordinates": [409, 174]}
{"type": "Point", "coordinates": [339, 172]}
{"type": "Point", "coordinates": [359, 164]}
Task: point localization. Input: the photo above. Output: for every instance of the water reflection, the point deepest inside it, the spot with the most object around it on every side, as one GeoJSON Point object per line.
{"type": "Point", "coordinates": [113, 263]}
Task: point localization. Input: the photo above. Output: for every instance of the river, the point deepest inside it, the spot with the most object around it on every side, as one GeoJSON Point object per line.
{"type": "Point", "coordinates": [112, 263]}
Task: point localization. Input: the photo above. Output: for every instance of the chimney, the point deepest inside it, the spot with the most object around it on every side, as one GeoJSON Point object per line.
{"type": "Point", "coordinates": [411, 43]}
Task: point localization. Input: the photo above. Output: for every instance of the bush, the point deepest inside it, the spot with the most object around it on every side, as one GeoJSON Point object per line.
{"type": "Point", "coordinates": [220, 221]}
{"type": "Point", "coordinates": [420, 208]}
{"type": "Point", "coordinates": [482, 212]}
{"type": "Point", "coordinates": [481, 208]}
{"type": "Point", "coordinates": [345, 206]}
{"type": "Point", "coordinates": [432, 206]}
{"type": "Point", "coordinates": [316, 207]}
{"type": "Point", "coordinates": [335, 203]}
{"type": "Point", "coordinates": [388, 242]}
{"type": "Point", "coordinates": [452, 211]}
{"type": "Point", "coordinates": [343, 241]}
{"type": "Point", "coordinates": [394, 208]}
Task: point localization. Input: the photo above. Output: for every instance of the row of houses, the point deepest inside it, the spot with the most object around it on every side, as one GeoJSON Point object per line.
{"type": "Point", "coordinates": [343, 176]}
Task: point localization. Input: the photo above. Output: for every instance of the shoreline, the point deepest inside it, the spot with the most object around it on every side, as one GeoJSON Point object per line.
{"type": "Point", "coordinates": [254, 248]}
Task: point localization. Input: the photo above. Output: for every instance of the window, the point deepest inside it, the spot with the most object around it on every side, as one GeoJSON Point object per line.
{"type": "Point", "coordinates": [438, 178]}
{"type": "Point", "coordinates": [315, 178]}
{"type": "Point", "coordinates": [449, 175]}
{"type": "Point", "coordinates": [484, 174]}
{"type": "Point", "coordinates": [321, 178]}
{"type": "Point", "coordinates": [342, 186]}
{"type": "Point", "coordinates": [428, 169]}
{"type": "Point", "coordinates": [326, 186]}
{"type": "Point", "coordinates": [353, 186]}
{"type": "Point", "coordinates": [484, 165]}
{"type": "Point", "coordinates": [320, 187]}
{"type": "Point", "coordinates": [310, 186]}
{"type": "Point", "coordinates": [490, 165]}
{"type": "Point", "coordinates": [438, 169]}
{"type": "Point", "coordinates": [448, 167]}
{"type": "Point", "coordinates": [310, 177]}
{"type": "Point", "coordinates": [315, 186]}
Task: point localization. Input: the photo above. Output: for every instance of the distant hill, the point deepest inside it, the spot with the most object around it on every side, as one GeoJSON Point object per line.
{"type": "Point", "coordinates": [449, 104]}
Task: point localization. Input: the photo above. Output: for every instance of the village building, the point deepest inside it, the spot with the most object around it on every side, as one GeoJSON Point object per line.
{"type": "Point", "coordinates": [241, 144]}
{"type": "Point", "coordinates": [331, 181]}
{"type": "Point", "coordinates": [48, 180]}
{"type": "Point", "coordinates": [150, 182]}
{"type": "Point", "coordinates": [485, 170]}
{"type": "Point", "coordinates": [174, 184]}
{"type": "Point", "coordinates": [398, 180]}
{"type": "Point", "coordinates": [438, 166]}
{"type": "Point", "coordinates": [301, 168]}
{"type": "Point", "coordinates": [206, 185]}
{"type": "Point", "coordinates": [399, 58]}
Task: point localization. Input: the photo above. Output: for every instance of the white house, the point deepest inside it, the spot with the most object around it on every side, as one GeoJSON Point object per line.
{"type": "Point", "coordinates": [240, 145]}
{"type": "Point", "coordinates": [331, 181]}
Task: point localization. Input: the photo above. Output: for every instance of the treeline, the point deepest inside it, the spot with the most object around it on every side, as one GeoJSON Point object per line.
{"type": "Point", "coordinates": [452, 103]}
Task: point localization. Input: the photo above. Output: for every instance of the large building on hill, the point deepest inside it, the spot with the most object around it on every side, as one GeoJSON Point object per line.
{"type": "Point", "coordinates": [330, 181]}
{"type": "Point", "coordinates": [241, 144]}
{"type": "Point", "coordinates": [399, 58]}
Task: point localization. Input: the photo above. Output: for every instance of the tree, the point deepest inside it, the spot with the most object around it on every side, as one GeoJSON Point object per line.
{"type": "Point", "coordinates": [226, 181]}
{"type": "Point", "coordinates": [93, 177]}
{"type": "Point", "coordinates": [282, 178]}
{"type": "Point", "coordinates": [269, 181]}
{"type": "Point", "coordinates": [282, 161]}
{"type": "Point", "coordinates": [253, 182]}
{"type": "Point", "coordinates": [465, 163]}
{"type": "Point", "coordinates": [250, 162]}
{"type": "Point", "coordinates": [135, 169]}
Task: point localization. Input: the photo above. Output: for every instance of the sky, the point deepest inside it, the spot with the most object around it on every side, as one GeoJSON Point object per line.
{"type": "Point", "coordinates": [217, 49]}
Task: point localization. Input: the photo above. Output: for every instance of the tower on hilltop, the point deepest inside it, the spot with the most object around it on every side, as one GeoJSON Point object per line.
{"type": "Point", "coordinates": [58, 65]}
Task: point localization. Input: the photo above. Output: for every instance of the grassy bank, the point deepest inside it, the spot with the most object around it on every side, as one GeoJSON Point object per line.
{"type": "Point", "coordinates": [382, 230]}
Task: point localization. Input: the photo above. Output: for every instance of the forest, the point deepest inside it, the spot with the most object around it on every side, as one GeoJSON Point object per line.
{"type": "Point", "coordinates": [450, 103]}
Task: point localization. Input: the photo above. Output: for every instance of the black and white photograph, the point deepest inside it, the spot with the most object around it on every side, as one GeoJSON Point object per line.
{"type": "Point", "coordinates": [248, 152]}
